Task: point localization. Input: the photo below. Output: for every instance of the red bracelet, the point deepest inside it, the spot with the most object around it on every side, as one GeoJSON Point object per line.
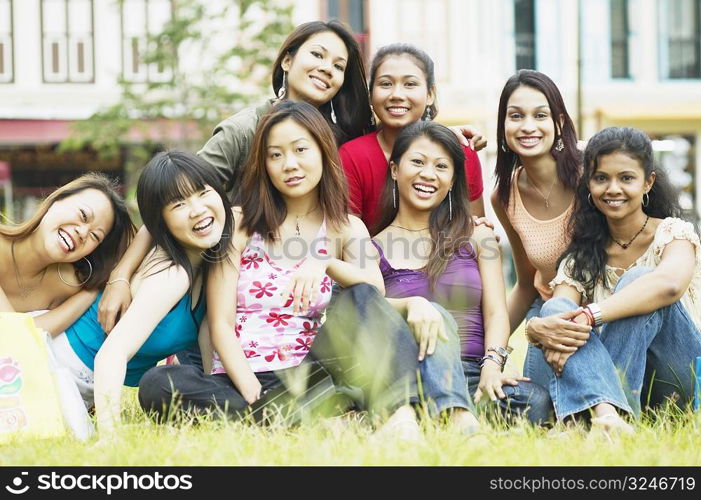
{"type": "Point", "coordinates": [589, 315]}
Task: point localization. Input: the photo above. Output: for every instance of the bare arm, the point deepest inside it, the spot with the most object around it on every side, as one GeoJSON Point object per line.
{"type": "Point", "coordinates": [523, 293]}
{"type": "Point", "coordinates": [662, 287]}
{"type": "Point", "coordinates": [59, 318]}
{"type": "Point", "coordinates": [477, 207]}
{"type": "Point", "coordinates": [221, 314]}
{"type": "Point", "coordinates": [360, 260]}
{"type": "Point", "coordinates": [155, 297]}
{"type": "Point", "coordinates": [117, 296]}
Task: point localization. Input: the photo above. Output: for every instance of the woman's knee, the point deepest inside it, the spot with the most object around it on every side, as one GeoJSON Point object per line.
{"type": "Point", "coordinates": [557, 305]}
{"type": "Point", "coordinates": [156, 387]}
{"type": "Point", "coordinates": [530, 399]}
{"type": "Point", "coordinates": [631, 275]}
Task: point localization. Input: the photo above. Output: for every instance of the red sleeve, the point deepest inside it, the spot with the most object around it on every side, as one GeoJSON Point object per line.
{"type": "Point", "coordinates": [355, 191]}
{"type": "Point", "coordinates": [473, 173]}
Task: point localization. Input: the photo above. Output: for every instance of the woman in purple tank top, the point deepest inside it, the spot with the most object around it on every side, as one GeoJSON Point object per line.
{"type": "Point", "coordinates": [293, 239]}
{"type": "Point", "coordinates": [432, 257]}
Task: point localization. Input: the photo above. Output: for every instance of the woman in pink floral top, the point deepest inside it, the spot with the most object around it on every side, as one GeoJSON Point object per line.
{"type": "Point", "coordinates": [293, 240]}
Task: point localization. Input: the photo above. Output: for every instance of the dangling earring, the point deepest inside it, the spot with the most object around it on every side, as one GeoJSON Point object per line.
{"type": "Point", "coordinates": [559, 146]}
{"type": "Point", "coordinates": [504, 148]}
{"type": "Point", "coordinates": [589, 200]}
{"type": "Point", "coordinates": [282, 91]}
{"type": "Point", "coordinates": [427, 114]}
{"type": "Point", "coordinates": [394, 194]}
{"type": "Point", "coordinates": [646, 199]}
{"type": "Point", "coordinates": [450, 204]}
{"type": "Point", "coordinates": [58, 269]}
{"type": "Point", "coordinates": [333, 113]}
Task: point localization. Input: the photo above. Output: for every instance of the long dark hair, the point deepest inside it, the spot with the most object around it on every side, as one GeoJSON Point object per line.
{"type": "Point", "coordinates": [172, 175]}
{"type": "Point", "coordinates": [263, 207]}
{"type": "Point", "coordinates": [422, 59]}
{"type": "Point", "coordinates": [109, 251]}
{"type": "Point", "coordinates": [448, 234]}
{"type": "Point", "coordinates": [590, 231]}
{"type": "Point", "coordinates": [351, 103]}
{"type": "Point", "coordinates": [568, 160]}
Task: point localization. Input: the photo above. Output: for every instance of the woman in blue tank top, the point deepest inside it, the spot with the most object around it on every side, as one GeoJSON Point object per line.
{"type": "Point", "coordinates": [183, 207]}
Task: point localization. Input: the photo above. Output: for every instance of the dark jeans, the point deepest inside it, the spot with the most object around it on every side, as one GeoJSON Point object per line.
{"type": "Point", "coordinates": [525, 399]}
{"type": "Point", "coordinates": [364, 344]}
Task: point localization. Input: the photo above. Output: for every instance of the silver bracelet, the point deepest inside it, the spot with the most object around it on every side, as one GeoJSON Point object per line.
{"type": "Point", "coordinates": [501, 351]}
{"type": "Point", "coordinates": [112, 282]}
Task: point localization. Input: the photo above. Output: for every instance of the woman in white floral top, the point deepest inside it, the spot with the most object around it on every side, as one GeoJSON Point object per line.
{"type": "Point", "coordinates": [633, 272]}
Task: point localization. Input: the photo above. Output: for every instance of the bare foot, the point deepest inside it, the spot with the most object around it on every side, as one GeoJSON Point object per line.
{"type": "Point", "coordinates": [464, 422]}
{"type": "Point", "coordinates": [401, 426]}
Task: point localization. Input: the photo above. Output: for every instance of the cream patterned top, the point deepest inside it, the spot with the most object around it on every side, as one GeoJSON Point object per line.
{"type": "Point", "coordinates": [669, 229]}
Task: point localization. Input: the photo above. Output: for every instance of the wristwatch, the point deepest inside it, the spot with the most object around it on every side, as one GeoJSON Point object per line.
{"type": "Point", "coordinates": [595, 311]}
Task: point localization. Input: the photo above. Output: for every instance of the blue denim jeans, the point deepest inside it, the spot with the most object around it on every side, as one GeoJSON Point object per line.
{"type": "Point", "coordinates": [611, 367]}
{"type": "Point", "coordinates": [443, 384]}
{"type": "Point", "coordinates": [523, 400]}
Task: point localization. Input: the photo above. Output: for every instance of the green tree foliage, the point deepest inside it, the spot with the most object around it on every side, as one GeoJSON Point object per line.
{"type": "Point", "coordinates": [217, 56]}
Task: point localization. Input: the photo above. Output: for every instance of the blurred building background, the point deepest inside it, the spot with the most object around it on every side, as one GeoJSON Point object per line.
{"type": "Point", "coordinates": [617, 62]}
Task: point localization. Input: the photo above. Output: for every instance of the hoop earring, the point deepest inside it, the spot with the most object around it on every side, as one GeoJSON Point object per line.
{"type": "Point", "coordinates": [559, 145]}
{"type": "Point", "coordinates": [394, 194]}
{"type": "Point", "coordinates": [282, 91]}
{"type": "Point", "coordinates": [58, 269]}
{"type": "Point", "coordinates": [333, 113]}
{"type": "Point", "coordinates": [591, 203]}
{"type": "Point", "coordinates": [646, 199]}
{"type": "Point", "coordinates": [450, 205]}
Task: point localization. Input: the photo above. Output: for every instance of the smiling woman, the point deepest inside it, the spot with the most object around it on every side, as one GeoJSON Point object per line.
{"type": "Point", "coordinates": [185, 211]}
{"type": "Point", "coordinates": [69, 246]}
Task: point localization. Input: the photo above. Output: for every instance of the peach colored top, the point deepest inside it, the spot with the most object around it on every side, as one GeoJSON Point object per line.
{"type": "Point", "coordinates": [543, 240]}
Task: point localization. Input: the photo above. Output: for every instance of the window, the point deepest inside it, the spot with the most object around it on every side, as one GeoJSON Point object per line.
{"type": "Point", "coordinates": [67, 41]}
{"type": "Point", "coordinates": [6, 48]}
{"type": "Point", "coordinates": [351, 12]}
{"type": "Point", "coordinates": [524, 34]}
{"type": "Point", "coordinates": [680, 22]}
{"type": "Point", "coordinates": [619, 39]}
{"type": "Point", "coordinates": [141, 19]}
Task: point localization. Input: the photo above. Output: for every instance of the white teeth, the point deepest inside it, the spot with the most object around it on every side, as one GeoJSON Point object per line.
{"type": "Point", "coordinates": [326, 85]}
{"type": "Point", "coordinates": [424, 189]}
{"type": "Point", "coordinates": [614, 203]}
{"type": "Point", "coordinates": [398, 110]}
{"type": "Point", "coordinates": [66, 239]}
{"type": "Point", "coordinates": [529, 140]}
{"type": "Point", "coordinates": [204, 225]}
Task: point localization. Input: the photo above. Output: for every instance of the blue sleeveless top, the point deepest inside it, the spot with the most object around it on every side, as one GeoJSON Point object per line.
{"type": "Point", "coordinates": [177, 331]}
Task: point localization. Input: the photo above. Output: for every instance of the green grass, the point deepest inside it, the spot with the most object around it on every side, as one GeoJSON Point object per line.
{"type": "Point", "coordinates": [667, 437]}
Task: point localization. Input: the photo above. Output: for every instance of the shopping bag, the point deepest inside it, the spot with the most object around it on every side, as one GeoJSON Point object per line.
{"type": "Point", "coordinates": [29, 401]}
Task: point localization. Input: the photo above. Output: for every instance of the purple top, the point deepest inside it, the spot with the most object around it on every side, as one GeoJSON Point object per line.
{"type": "Point", "coordinates": [458, 290]}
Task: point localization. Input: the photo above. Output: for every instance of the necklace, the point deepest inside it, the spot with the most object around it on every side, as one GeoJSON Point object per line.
{"type": "Point", "coordinates": [546, 198]}
{"type": "Point", "coordinates": [24, 291]}
{"type": "Point", "coordinates": [410, 230]}
{"type": "Point", "coordinates": [299, 217]}
{"type": "Point", "coordinates": [626, 245]}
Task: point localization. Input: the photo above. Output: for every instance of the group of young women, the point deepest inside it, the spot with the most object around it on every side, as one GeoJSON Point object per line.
{"type": "Point", "coordinates": [403, 302]}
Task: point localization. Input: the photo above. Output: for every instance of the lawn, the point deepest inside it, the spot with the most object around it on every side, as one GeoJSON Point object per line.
{"type": "Point", "coordinates": [667, 437]}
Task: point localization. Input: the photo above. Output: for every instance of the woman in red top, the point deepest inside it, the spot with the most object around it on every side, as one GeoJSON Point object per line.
{"type": "Point", "coordinates": [402, 91]}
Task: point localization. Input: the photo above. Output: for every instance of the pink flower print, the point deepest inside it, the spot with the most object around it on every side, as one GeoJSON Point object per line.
{"type": "Point", "coordinates": [243, 318]}
{"type": "Point", "coordinates": [309, 328]}
{"type": "Point", "coordinates": [277, 352]}
{"type": "Point", "coordinates": [326, 284]}
{"type": "Point", "coordinates": [272, 276]}
{"type": "Point", "coordinates": [253, 344]}
{"type": "Point", "coordinates": [251, 354]}
{"type": "Point", "coordinates": [323, 251]}
{"type": "Point", "coordinates": [278, 319]}
{"type": "Point", "coordinates": [288, 303]}
{"type": "Point", "coordinates": [238, 331]}
{"type": "Point", "coordinates": [260, 290]}
{"type": "Point", "coordinates": [251, 260]}
{"type": "Point", "coordinates": [304, 343]}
